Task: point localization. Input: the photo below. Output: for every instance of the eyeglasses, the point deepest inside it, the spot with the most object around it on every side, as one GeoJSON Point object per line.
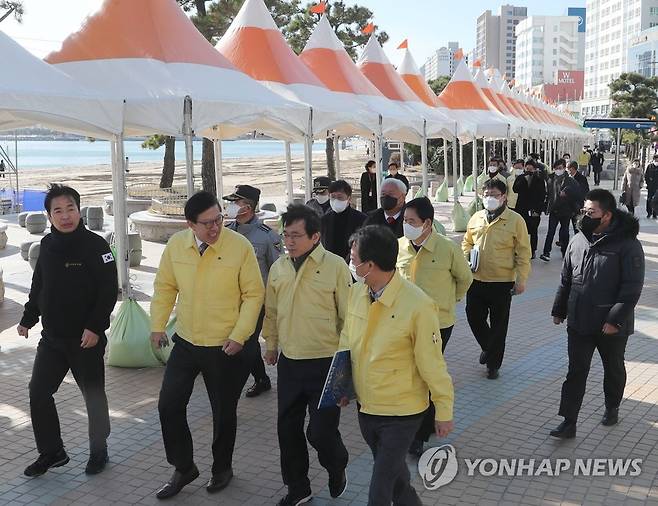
{"type": "Point", "coordinates": [494, 195]}
{"type": "Point", "coordinates": [209, 223]}
{"type": "Point", "coordinates": [293, 237]}
{"type": "Point", "coordinates": [588, 212]}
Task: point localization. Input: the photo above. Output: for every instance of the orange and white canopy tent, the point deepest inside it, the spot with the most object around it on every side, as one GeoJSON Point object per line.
{"type": "Point", "coordinates": [255, 45]}
{"type": "Point", "coordinates": [151, 55]}
{"type": "Point", "coordinates": [327, 58]}
{"type": "Point", "coordinates": [467, 102]}
{"type": "Point", "coordinates": [375, 65]}
{"type": "Point", "coordinates": [518, 125]}
{"type": "Point", "coordinates": [33, 92]}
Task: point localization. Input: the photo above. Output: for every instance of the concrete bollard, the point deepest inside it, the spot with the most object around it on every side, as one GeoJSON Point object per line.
{"type": "Point", "coordinates": [33, 254]}
{"type": "Point", "coordinates": [21, 218]}
{"type": "Point", "coordinates": [95, 218]}
{"type": "Point", "coordinates": [25, 249]}
{"type": "Point", "coordinates": [36, 223]}
{"type": "Point", "coordinates": [134, 249]}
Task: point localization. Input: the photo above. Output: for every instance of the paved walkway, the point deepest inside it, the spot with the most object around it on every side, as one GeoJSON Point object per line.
{"type": "Point", "coordinates": [508, 418]}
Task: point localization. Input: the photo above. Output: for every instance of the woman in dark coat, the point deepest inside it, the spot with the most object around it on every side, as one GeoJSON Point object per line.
{"type": "Point", "coordinates": [369, 187]}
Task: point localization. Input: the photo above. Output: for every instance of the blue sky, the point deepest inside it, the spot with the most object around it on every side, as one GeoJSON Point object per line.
{"type": "Point", "coordinates": [428, 24]}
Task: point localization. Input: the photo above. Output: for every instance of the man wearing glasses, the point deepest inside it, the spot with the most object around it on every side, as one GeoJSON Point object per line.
{"type": "Point", "coordinates": [305, 306]}
{"type": "Point", "coordinates": [501, 239]}
{"type": "Point", "coordinates": [213, 276]}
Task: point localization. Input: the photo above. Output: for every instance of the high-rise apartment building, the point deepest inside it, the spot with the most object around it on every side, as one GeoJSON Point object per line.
{"type": "Point", "coordinates": [495, 44]}
{"type": "Point", "coordinates": [611, 26]}
{"type": "Point", "coordinates": [441, 63]}
{"type": "Point", "coordinates": [545, 45]}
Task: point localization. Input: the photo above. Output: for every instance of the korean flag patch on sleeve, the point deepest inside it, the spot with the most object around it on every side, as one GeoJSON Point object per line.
{"type": "Point", "coordinates": [107, 258]}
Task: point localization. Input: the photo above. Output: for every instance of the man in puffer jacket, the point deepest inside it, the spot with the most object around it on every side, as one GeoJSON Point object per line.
{"type": "Point", "coordinates": [601, 282]}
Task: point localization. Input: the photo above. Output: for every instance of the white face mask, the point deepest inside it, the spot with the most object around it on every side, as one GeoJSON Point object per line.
{"type": "Point", "coordinates": [338, 205]}
{"type": "Point", "coordinates": [232, 210]}
{"type": "Point", "coordinates": [491, 203]}
{"type": "Point", "coordinates": [566, 158]}
{"type": "Point", "coordinates": [412, 233]}
{"type": "Point", "coordinates": [322, 199]}
{"type": "Point", "coordinates": [518, 172]}
{"type": "Point", "coordinates": [493, 169]}
{"type": "Point", "coordinates": [353, 268]}
{"type": "Point", "coordinates": [559, 172]}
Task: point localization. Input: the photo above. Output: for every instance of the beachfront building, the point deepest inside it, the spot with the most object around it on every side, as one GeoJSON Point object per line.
{"type": "Point", "coordinates": [611, 26]}
{"type": "Point", "coordinates": [442, 62]}
{"type": "Point", "coordinates": [495, 44]}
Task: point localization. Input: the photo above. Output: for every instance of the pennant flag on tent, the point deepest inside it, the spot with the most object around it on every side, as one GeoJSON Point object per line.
{"type": "Point", "coordinates": [320, 8]}
{"type": "Point", "coordinates": [459, 54]}
{"type": "Point", "coordinates": [369, 28]}
{"type": "Point", "coordinates": [477, 63]}
{"type": "Point", "coordinates": [404, 44]}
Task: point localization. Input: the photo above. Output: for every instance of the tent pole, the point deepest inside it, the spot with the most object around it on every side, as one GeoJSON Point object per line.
{"type": "Point", "coordinates": [379, 140]}
{"type": "Point", "coordinates": [509, 148]}
{"type": "Point", "coordinates": [615, 185]}
{"type": "Point", "coordinates": [337, 148]}
{"type": "Point", "coordinates": [445, 160]}
{"type": "Point", "coordinates": [461, 161]}
{"type": "Point", "coordinates": [120, 216]}
{"type": "Point", "coordinates": [474, 168]}
{"type": "Point", "coordinates": [401, 155]}
{"type": "Point", "coordinates": [189, 153]}
{"type": "Point", "coordinates": [308, 157]}
{"type": "Point", "coordinates": [219, 168]}
{"type": "Point", "coordinates": [423, 159]}
{"type": "Point", "coordinates": [454, 169]}
{"type": "Point", "coordinates": [289, 187]}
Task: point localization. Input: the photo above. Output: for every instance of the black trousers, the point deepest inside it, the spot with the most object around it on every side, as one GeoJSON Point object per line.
{"type": "Point", "coordinates": [389, 438]}
{"type": "Point", "coordinates": [252, 347]}
{"type": "Point", "coordinates": [492, 301]}
{"type": "Point", "coordinates": [224, 377]}
{"type": "Point", "coordinates": [300, 384]}
{"type": "Point", "coordinates": [650, 194]}
{"type": "Point", "coordinates": [427, 426]}
{"type": "Point", "coordinates": [581, 348]}
{"type": "Point", "coordinates": [54, 358]}
{"type": "Point", "coordinates": [532, 224]}
{"type": "Point", "coordinates": [553, 221]}
{"type": "Point", "coordinates": [597, 177]}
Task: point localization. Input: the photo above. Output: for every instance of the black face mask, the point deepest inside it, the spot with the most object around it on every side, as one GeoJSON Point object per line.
{"type": "Point", "coordinates": [588, 224]}
{"type": "Point", "coordinates": [388, 202]}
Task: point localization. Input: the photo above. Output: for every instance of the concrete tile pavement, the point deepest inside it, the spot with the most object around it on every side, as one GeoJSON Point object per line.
{"type": "Point", "coordinates": [508, 418]}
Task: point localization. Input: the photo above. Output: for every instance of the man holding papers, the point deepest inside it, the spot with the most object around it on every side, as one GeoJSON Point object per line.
{"type": "Point", "coordinates": [305, 307]}
{"type": "Point", "coordinates": [393, 333]}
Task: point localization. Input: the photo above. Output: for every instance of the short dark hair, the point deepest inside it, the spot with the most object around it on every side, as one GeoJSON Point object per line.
{"type": "Point", "coordinates": [376, 244]}
{"type": "Point", "coordinates": [494, 184]}
{"type": "Point", "coordinates": [534, 155]}
{"type": "Point", "coordinates": [560, 161]}
{"type": "Point", "coordinates": [566, 154]}
{"type": "Point", "coordinates": [199, 203]}
{"type": "Point", "coordinates": [301, 212]}
{"type": "Point", "coordinates": [59, 190]}
{"type": "Point", "coordinates": [573, 165]}
{"type": "Point", "coordinates": [604, 198]}
{"type": "Point", "coordinates": [521, 161]}
{"type": "Point", "coordinates": [423, 207]}
{"type": "Point", "coordinates": [370, 163]}
{"type": "Point", "coordinates": [493, 159]}
{"type": "Point", "coordinates": [530, 161]}
{"type": "Point", "coordinates": [394, 163]}
{"type": "Point", "coordinates": [341, 186]}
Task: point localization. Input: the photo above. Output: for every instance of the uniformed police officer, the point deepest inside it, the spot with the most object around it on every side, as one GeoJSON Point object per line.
{"type": "Point", "coordinates": [74, 289]}
{"type": "Point", "coordinates": [320, 201]}
{"type": "Point", "coordinates": [243, 203]}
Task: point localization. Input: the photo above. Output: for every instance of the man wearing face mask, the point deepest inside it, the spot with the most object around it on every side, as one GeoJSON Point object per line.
{"type": "Point", "coordinates": [369, 187]}
{"type": "Point", "coordinates": [583, 161]}
{"type": "Point", "coordinates": [561, 204]}
{"type": "Point", "coordinates": [437, 265]}
{"type": "Point", "coordinates": [501, 237]}
{"type": "Point", "coordinates": [342, 221]}
{"type": "Point", "coordinates": [572, 168]}
{"type": "Point", "coordinates": [597, 165]}
{"type": "Point", "coordinates": [601, 282]}
{"type": "Point", "coordinates": [512, 196]}
{"type": "Point", "coordinates": [390, 214]}
{"type": "Point", "coordinates": [320, 201]}
{"type": "Point", "coordinates": [305, 307]}
{"type": "Point", "coordinates": [651, 179]}
{"type": "Point", "coordinates": [243, 203]}
{"type": "Point", "coordinates": [531, 190]}
{"type": "Point", "coordinates": [394, 172]}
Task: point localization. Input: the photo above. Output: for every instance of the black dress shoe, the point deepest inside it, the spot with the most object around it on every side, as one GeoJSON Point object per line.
{"type": "Point", "coordinates": [97, 462]}
{"type": "Point", "coordinates": [492, 374]}
{"type": "Point", "coordinates": [219, 480]}
{"type": "Point", "coordinates": [295, 499]}
{"type": "Point", "coordinates": [45, 462]}
{"type": "Point", "coordinates": [566, 430]}
{"type": "Point", "coordinates": [483, 357]}
{"type": "Point", "coordinates": [416, 448]}
{"type": "Point", "coordinates": [610, 417]}
{"type": "Point", "coordinates": [259, 387]}
{"type": "Point", "coordinates": [337, 484]}
{"type": "Point", "coordinates": [177, 482]}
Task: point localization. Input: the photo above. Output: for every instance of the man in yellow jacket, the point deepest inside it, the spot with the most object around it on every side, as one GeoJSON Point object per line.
{"type": "Point", "coordinates": [305, 305]}
{"type": "Point", "coordinates": [435, 264]}
{"type": "Point", "coordinates": [393, 334]}
{"type": "Point", "coordinates": [212, 275]}
{"type": "Point", "coordinates": [500, 238]}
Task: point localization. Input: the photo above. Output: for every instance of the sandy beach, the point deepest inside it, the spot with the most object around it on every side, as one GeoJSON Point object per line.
{"type": "Point", "coordinates": [267, 173]}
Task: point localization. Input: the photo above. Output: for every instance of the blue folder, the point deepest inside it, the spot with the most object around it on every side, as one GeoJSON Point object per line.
{"type": "Point", "coordinates": [339, 382]}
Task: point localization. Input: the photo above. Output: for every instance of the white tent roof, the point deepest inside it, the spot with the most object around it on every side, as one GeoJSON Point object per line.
{"type": "Point", "coordinates": [33, 92]}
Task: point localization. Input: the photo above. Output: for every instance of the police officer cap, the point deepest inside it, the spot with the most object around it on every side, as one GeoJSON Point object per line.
{"type": "Point", "coordinates": [321, 183]}
{"type": "Point", "coordinates": [244, 191]}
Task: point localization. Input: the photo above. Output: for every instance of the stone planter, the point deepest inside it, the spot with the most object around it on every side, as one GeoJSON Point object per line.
{"type": "Point", "coordinates": [3, 236]}
{"type": "Point", "coordinates": [36, 223]}
{"type": "Point", "coordinates": [33, 254]}
{"type": "Point", "coordinates": [95, 218]}
{"type": "Point", "coordinates": [21, 218]}
{"type": "Point", "coordinates": [25, 249]}
{"type": "Point", "coordinates": [135, 249]}
{"type": "Point", "coordinates": [83, 214]}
